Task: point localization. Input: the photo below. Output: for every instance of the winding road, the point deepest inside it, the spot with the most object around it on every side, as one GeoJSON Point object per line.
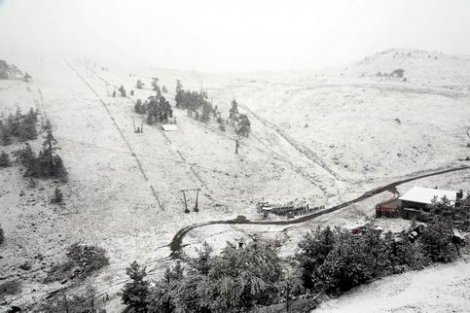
{"type": "Point", "coordinates": [176, 242]}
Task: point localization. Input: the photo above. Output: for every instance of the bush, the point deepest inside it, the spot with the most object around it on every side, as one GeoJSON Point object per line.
{"type": "Point", "coordinates": [88, 301]}
{"type": "Point", "coordinates": [12, 287]}
{"type": "Point", "coordinates": [4, 159]}
{"type": "Point", "coordinates": [83, 260]}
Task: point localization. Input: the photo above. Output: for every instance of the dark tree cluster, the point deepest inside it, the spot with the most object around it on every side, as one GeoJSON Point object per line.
{"type": "Point", "coordinates": [336, 260]}
{"type": "Point", "coordinates": [330, 261]}
{"type": "Point", "coordinates": [157, 109]}
{"type": "Point", "coordinates": [237, 280]}
{"type": "Point", "coordinates": [239, 120]}
{"type": "Point", "coordinates": [197, 105]}
{"type": "Point", "coordinates": [21, 126]}
{"type": "Point", "coordinates": [46, 164]}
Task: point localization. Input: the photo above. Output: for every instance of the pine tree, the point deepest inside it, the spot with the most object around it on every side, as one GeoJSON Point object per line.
{"type": "Point", "coordinates": [4, 159]}
{"type": "Point", "coordinates": [122, 91]}
{"type": "Point", "coordinates": [179, 86]}
{"type": "Point", "coordinates": [206, 111]}
{"type": "Point", "coordinates": [202, 262]}
{"type": "Point", "coordinates": [135, 293]}
{"type": "Point", "coordinates": [5, 134]}
{"type": "Point", "coordinates": [139, 107]}
{"type": "Point", "coordinates": [436, 239]}
{"type": "Point", "coordinates": [50, 165]}
{"type": "Point", "coordinates": [234, 113]}
{"type": "Point", "coordinates": [315, 247]}
{"type": "Point", "coordinates": [27, 77]}
{"type": "Point", "coordinates": [2, 235]}
{"type": "Point", "coordinates": [139, 84]}
{"type": "Point", "coordinates": [243, 126]}
{"type": "Point", "coordinates": [27, 158]}
{"type": "Point", "coordinates": [57, 197]}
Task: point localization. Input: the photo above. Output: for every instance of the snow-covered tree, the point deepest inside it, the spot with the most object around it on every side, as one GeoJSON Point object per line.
{"type": "Point", "coordinates": [135, 293]}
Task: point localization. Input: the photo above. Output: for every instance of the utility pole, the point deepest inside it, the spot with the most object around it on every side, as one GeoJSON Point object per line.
{"type": "Point", "coordinates": [196, 208]}
{"type": "Point", "coordinates": [196, 205]}
{"type": "Point", "coordinates": [185, 202]}
{"type": "Point", "coordinates": [237, 143]}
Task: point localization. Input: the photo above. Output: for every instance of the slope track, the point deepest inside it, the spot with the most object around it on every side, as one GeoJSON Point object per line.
{"type": "Point", "coordinates": [198, 177]}
{"type": "Point", "coordinates": [121, 133]}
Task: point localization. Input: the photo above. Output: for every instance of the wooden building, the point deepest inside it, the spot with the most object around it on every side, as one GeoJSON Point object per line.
{"type": "Point", "coordinates": [415, 203]}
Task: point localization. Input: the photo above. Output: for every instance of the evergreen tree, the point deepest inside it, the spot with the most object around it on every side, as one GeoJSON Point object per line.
{"type": "Point", "coordinates": [315, 248]}
{"type": "Point", "coordinates": [290, 286]}
{"type": "Point", "coordinates": [234, 113]}
{"type": "Point", "coordinates": [50, 164]}
{"type": "Point", "coordinates": [436, 239]}
{"type": "Point", "coordinates": [243, 126]}
{"type": "Point", "coordinates": [27, 77]}
{"type": "Point", "coordinates": [122, 91]}
{"type": "Point", "coordinates": [139, 107]}
{"type": "Point", "coordinates": [202, 263]}
{"type": "Point", "coordinates": [5, 134]}
{"type": "Point", "coordinates": [179, 86]}
{"type": "Point", "coordinates": [57, 197]}
{"type": "Point", "coordinates": [155, 87]}
{"type": "Point", "coordinates": [135, 293]}
{"type": "Point", "coordinates": [2, 235]}
{"type": "Point", "coordinates": [4, 159]}
{"type": "Point", "coordinates": [27, 158]}
{"type": "Point", "coordinates": [139, 84]}
{"type": "Point", "coordinates": [206, 111]}
{"type": "Point", "coordinates": [27, 128]}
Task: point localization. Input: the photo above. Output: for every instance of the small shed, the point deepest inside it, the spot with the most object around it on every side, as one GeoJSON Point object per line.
{"type": "Point", "coordinates": [169, 127]}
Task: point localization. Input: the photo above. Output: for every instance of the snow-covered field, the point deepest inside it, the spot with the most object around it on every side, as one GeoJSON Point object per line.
{"type": "Point", "coordinates": [320, 137]}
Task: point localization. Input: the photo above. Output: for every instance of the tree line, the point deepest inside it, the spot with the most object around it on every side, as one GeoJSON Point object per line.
{"type": "Point", "coordinates": [198, 106]}
{"type": "Point", "coordinates": [19, 125]}
{"type": "Point", "coordinates": [330, 261]}
{"type": "Point", "coordinates": [46, 164]}
{"type": "Point", "coordinates": [157, 109]}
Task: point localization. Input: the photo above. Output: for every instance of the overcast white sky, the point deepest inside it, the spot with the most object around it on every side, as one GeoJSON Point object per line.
{"type": "Point", "coordinates": [233, 35]}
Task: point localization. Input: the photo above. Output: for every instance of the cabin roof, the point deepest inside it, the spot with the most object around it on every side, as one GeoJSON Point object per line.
{"type": "Point", "coordinates": [426, 195]}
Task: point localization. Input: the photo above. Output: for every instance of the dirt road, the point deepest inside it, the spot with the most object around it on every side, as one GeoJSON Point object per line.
{"type": "Point", "coordinates": [176, 243]}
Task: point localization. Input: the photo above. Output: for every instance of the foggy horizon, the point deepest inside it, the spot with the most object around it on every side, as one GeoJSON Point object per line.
{"type": "Point", "coordinates": [237, 36]}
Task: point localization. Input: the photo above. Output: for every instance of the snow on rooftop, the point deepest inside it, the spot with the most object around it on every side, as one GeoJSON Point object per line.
{"type": "Point", "coordinates": [169, 127]}
{"type": "Point", "coordinates": [426, 195]}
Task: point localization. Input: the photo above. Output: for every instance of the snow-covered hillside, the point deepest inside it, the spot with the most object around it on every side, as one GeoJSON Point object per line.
{"type": "Point", "coordinates": [319, 137]}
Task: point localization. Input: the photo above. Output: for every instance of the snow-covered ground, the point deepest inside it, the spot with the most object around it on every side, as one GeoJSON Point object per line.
{"type": "Point", "coordinates": [320, 137]}
{"type": "Point", "coordinates": [442, 288]}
